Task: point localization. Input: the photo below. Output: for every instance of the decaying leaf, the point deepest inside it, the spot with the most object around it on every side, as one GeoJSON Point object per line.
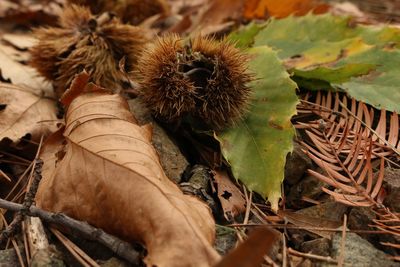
{"type": "Point", "coordinates": [14, 62]}
{"type": "Point", "coordinates": [344, 143]}
{"type": "Point", "coordinates": [280, 9]}
{"type": "Point", "coordinates": [251, 252]}
{"type": "Point", "coordinates": [25, 111]}
{"type": "Point", "coordinates": [220, 15]}
{"type": "Point", "coordinates": [109, 175]}
{"type": "Point", "coordinates": [28, 11]}
{"type": "Point", "coordinates": [257, 147]}
{"type": "Point", "coordinates": [307, 221]}
{"type": "Point", "coordinates": [130, 11]}
{"type": "Point", "coordinates": [232, 200]}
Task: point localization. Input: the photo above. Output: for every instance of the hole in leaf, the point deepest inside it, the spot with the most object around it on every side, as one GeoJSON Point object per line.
{"type": "Point", "coordinates": [226, 195]}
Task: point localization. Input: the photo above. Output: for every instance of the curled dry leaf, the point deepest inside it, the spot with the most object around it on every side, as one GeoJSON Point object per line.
{"type": "Point", "coordinates": [109, 175]}
{"type": "Point", "coordinates": [280, 9]}
{"type": "Point", "coordinates": [129, 11]}
{"type": "Point", "coordinates": [13, 62]}
{"type": "Point", "coordinates": [229, 195]}
{"type": "Point", "coordinates": [25, 112]}
{"type": "Point", "coordinates": [30, 11]}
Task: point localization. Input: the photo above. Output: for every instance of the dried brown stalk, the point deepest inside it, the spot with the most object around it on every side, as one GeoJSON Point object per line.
{"type": "Point", "coordinates": [348, 141]}
{"type": "Point", "coordinates": [345, 143]}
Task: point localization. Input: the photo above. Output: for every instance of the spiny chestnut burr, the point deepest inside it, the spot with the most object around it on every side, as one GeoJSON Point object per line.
{"type": "Point", "coordinates": [103, 46]}
{"type": "Point", "coordinates": [201, 78]}
{"type": "Point", "coordinates": [130, 11]}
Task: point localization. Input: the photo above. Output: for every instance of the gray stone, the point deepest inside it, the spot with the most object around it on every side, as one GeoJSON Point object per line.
{"type": "Point", "coordinates": [47, 258]}
{"type": "Point", "coordinates": [392, 185]}
{"type": "Point", "coordinates": [171, 158]}
{"type": "Point", "coordinates": [114, 262]}
{"type": "Point", "coordinates": [332, 211]}
{"type": "Point", "coordinates": [319, 246]}
{"type": "Point", "coordinates": [359, 219]}
{"type": "Point", "coordinates": [358, 252]}
{"type": "Point", "coordinates": [309, 187]}
{"type": "Point", "coordinates": [8, 258]}
{"type": "Point", "coordinates": [225, 239]}
{"type": "Point", "coordinates": [297, 163]}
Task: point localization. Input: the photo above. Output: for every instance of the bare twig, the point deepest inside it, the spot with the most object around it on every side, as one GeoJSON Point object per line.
{"type": "Point", "coordinates": [29, 198]}
{"type": "Point", "coordinates": [79, 254]}
{"type": "Point", "coordinates": [311, 256]}
{"type": "Point", "coordinates": [322, 229]}
{"type": "Point", "coordinates": [119, 247]}
{"type": "Point", "coordinates": [284, 251]}
{"type": "Point", "coordinates": [343, 243]}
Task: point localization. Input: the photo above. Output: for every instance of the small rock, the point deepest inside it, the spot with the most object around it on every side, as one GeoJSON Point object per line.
{"type": "Point", "coordinates": [8, 258]}
{"type": "Point", "coordinates": [358, 252]}
{"type": "Point", "coordinates": [359, 219]}
{"type": "Point", "coordinates": [392, 185]}
{"type": "Point", "coordinates": [198, 184]}
{"type": "Point", "coordinates": [171, 158]}
{"type": "Point", "coordinates": [332, 211]}
{"type": "Point", "coordinates": [297, 163]}
{"type": "Point", "coordinates": [319, 246]}
{"type": "Point", "coordinates": [114, 262]}
{"type": "Point", "coordinates": [309, 187]}
{"type": "Point", "coordinates": [328, 215]}
{"type": "Point", "coordinates": [47, 258]}
{"type": "Point", "coordinates": [225, 239]}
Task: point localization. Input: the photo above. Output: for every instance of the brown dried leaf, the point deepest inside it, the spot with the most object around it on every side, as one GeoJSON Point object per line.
{"type": "Point", "coordinates": [11, 69]}
{"type": "Point", "coordinates": [109, 175]}
{"type": "Point", "coordinates": [283, 8]}
{"type": "Point", "coordinates": [21, 41]}
{"type": "Point", "coordinates": [28, 11]}
{"type": "Point", "coordinates": [251, 252]}
{"type": "Point", "coordinates": [232, 200]}
{"type": "Point", "coordinates": [220, 15]}
{"type": "Point", "coordinates": [311, 222]}
{"type": "Point", "coordinates": [25, 112]}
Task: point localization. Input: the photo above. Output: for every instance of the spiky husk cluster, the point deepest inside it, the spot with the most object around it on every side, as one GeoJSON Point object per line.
{"type": "Point", "coordinates": [201, 77]}
{"type": "Point", "coordinates": [84, 42]}
{"type": "Point", "coordinates": [130, 11]}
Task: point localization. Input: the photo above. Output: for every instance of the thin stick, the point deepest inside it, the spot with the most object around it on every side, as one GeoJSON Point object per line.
{"type": "Point", "coordinates": [15, 156]}
{"type": "Point", "coordinates": [343, 243]}
{"type": "Point", "coordinates": [284, 251]}
{"type": "Point", "coordinates": [311, 256]}
{"type": "Point", "coordinates": [14, 244]}
{"type": "Point", "coordinates": [30, 195]}
{"type": "Point", "coordinates": [119, 247]}
{"type": "Point", "coordinates": [63, 240]}
{"type": "Point", "coordinates": [26, 245]}
{"type": "Point", "coordinates": [80, 255]}
{"type": "Point", "coordinates": [4, 175]}
{"type": "Point", "coordinates": [369, 128]}
{"type": "Point", "coordinates": [18, 252]}
{"type": "Point", "coordinates": [283, 226]}
{"type": "Point", "coordinates": [19, 181]}
{"type": "Point", "coordinates": [270, 261]}
{"type": "Point", "coordinates": [248, 206]}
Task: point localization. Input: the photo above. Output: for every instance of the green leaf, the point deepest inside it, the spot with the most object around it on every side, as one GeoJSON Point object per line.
{"type": "Point", "coordinates": [336, 75]}
{"type": "Point", "coordinates": [257, 147]}
{"type": "Point", "coordinates": [380, 87]}
{"type": "Point", "coordinates": [245, 37]}
{"type": "Point", "coordinates": [361, 60]}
